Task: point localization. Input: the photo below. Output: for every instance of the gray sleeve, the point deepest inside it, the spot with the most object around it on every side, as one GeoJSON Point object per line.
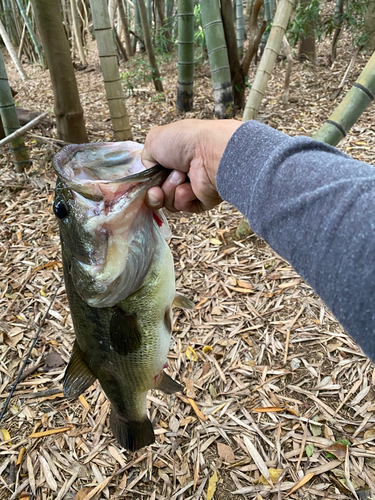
{"type": "Point", "coordinates": [315, 207]}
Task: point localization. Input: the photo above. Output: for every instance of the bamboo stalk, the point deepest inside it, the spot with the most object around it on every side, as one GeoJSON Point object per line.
{"type": "Point", "coordinates": [185, 81]}
{"type": "Point", "coordinates": [31, 31]}
{"type": "Point", "coordinates": [12, 52]}
{"type": "Point", "coordinates": [77, 35]}
{"type": "Point", "coordinates": [108, 62]}
{"type": "Point", "coordinates": [268, 60]}
{"type": "Point", "coordinates": [218, 58]}
{"type": "Point", "coordinates": [351, 107]}
{"type": "Point", "coordinates": [10, 121]}
{"type": "Point", "coordinates": [22, 130]}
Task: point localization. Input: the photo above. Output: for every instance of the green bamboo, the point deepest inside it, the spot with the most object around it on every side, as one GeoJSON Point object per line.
{"type": "Point", "coordinates": [31, 31]}
{"type": "Point", "coordinates": [10, 120]}
{"type": "Point", "coordinates": [218, 58]}
{"type": "Point", "coordinates": [351, 107]}
{"type": "Point", "coordinates": [185, 81]}
{"type": "Point", "coordinates": [240, 25]}
{"type": "Point", "coordinates": [111, 76]}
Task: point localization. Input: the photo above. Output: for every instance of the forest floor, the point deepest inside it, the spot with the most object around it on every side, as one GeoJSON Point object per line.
{"type": "Point", "coordinates": [272, 380]}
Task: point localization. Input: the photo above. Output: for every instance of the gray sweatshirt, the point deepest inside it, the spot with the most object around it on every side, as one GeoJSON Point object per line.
{"type": "Point", "coordinates": [315, 207]}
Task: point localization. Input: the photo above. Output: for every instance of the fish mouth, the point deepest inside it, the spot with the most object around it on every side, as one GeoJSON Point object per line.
{"type": "Point", "coordinates": [97, 170]}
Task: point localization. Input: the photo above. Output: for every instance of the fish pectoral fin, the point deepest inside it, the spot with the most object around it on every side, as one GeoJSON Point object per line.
{"type": "Point", "coordinates": [183, 302]}
{"type": "Point", "coordinates": [124, 333]}
{"type": "Point", "coordinates": [168, 385]}
{"type": "Point", "coordinates": [131, 435]}
{"type": "Point", "coordinates": [78, 376]}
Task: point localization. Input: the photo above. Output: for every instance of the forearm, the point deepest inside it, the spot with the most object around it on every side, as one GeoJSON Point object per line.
{"type": "Point", "coordinates": [315, 207]}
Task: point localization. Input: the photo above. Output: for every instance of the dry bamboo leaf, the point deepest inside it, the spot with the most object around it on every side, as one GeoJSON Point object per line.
{"type": "Point", "coordinates": [20, 455]}
{"type": "Point", "coordinates": [257, 459]}
{"type": "Point", "coordinates": [84, 402]}
{"type": "Point", "coordinates": [6, 436]}
{"type": "Point", "coordinates": [244, 284]}
{"type": "Point", "coordinates": [82, 493]}
{"type": "Point", "coordinates": [215, 241]}
{"type": "Point", "coordinates": [370, 433]}
{"type": "Point", "coordinates": [194, 406]}
{"type": "Point", "coordinates": [50, 432]}
{"type": "Point", "coordinates": [30, 470]}
{"type": "Point", "coordinates": [274, 475]}
{"type": "Point", "coordinates": [225, 452]}
{"type": "Point", "coordinates": [300, 483]}
{"type": "Point", "coordinates": [50, 480]}
{"type": "Point", "coordinates": [191, 354]}
{"type": "Point", "coordinates": [212, 486]}
{"type": "Point", "coordinates": [242, 290]}
{"type": "Point", "coordinates": [98, 488]}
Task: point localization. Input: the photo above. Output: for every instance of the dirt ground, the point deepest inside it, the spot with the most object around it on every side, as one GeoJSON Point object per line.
{"type": "Point", "coordinates": [272, 380]}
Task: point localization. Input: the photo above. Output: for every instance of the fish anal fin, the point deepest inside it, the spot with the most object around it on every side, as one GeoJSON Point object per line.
{"type": "Point", "coordinates": [78, 376]}
{"type": "Point", "coordinates": [183, 302]}
{"type": "Point", "coordinates": [168, 385]}
{"type": "Point", "coordinates": [124, 332]}
{"type": "Point", "coordinates": [131, 435]}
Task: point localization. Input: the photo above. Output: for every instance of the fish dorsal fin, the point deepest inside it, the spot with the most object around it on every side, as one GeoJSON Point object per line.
{"type": "Point", "coordinates": [168, 385]}
{"type": "Point", "coordinates": [124, 333]}
{"type": "Point", "coordinates": [78, 376]}
{"type": "Point", "coordinates": [183, 302]}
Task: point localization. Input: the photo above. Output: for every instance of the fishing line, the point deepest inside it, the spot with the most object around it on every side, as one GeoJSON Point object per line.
{"type": "Point", "coordinates": [28, 354]}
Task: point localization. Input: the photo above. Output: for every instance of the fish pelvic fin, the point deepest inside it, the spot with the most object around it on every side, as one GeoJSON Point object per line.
{"type": "Point", "coordinates": [168, 385]}
{"type": "Point", "coordinates": [78, 376]}
{"type": "Point", "coordinates": [131, 435]}
{"type": "Point", "coordinates": [182, 302]}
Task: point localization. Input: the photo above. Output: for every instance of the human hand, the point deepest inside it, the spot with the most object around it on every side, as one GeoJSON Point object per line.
{"type": "Point", "coordinates": [192, 149]}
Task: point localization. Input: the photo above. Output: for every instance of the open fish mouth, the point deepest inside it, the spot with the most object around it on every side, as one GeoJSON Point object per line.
{"type": "Point", "coordinates": [113, 228]}
{"type": "Point", "coordinates": [97, 171]}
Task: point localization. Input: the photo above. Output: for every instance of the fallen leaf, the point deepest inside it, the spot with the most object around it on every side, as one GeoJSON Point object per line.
{"type": "Point", "coordinates": [225, 452]}
{"type": "Point", "coordinates": [215, 241]}
{"type": "Point", "coordinates": [207, 348]}
{"type": "Point", "coordinates": [370, 433]}
{"type": "Point", "coordinates": [49, 432]}
{"type": "Point", "coordinates": [54, 359]}
{"type": "Point", "coordinates": [191, 354]}
{"type": "Point", "coordinates": [316, 430]}
{"type": "Point", "coordinates": [239, 289]}
{"type": "Point", "coordinates": [245, 284]}
{"type": "Point", "coordinates": [212, 486]}
{"type": "Point", "coordinates": [300, 483]}
{"type": "Point", "coordinates": [338, 450]}
{"type": "Point", "coordinates": [309, 450]}
{"type": "Point", "coordinates": [274, 475]}
{"type": "Point", "coordinates": [216, 311]}
{"type": "Point", "coordinates": [82, 493]}
{"type": "Point", "coordinates": [6, 436]}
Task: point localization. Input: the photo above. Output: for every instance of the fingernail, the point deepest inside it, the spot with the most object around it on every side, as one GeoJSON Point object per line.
{"type": "Point", "coordinates": [152, 200]}
{"type": "Point", "coordinates": [175, 177]}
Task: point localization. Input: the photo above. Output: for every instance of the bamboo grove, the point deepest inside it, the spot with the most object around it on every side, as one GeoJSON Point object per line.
{"type": "Point", "coordinates": [230, 34]}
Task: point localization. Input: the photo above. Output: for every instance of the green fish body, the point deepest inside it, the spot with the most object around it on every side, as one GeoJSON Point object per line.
{"type": "Point", "coordinates": [119, 279]}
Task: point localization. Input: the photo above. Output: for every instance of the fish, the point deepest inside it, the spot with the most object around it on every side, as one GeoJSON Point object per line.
{"type": "Point", "coordinates": [119, 279]}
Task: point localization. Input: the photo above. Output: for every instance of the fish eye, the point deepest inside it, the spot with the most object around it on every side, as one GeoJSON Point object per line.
{"type": "Point", "coordinates": [60, 210]}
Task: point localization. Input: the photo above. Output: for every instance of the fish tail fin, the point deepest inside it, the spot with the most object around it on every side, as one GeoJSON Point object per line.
{"type": "Point", "coordinates": [132, 435]}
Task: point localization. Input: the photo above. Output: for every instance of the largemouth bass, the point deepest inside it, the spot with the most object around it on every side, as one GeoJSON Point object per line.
{"type": "Point", "coordinates": [119, 279]}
